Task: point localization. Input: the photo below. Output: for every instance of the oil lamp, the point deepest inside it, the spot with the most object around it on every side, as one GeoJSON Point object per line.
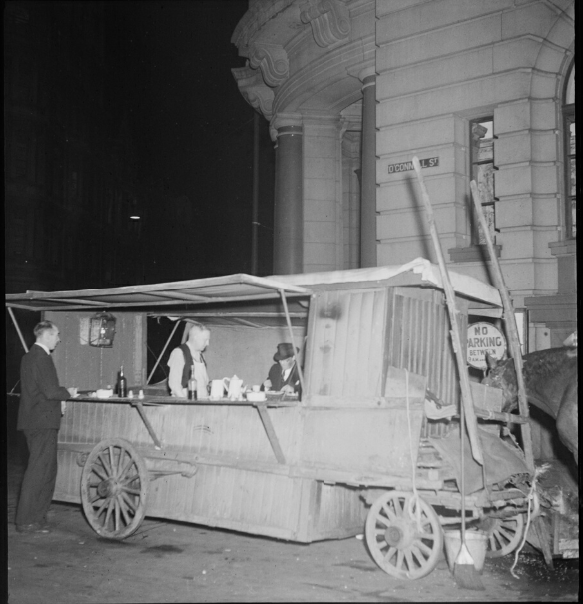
{"type": "Point", "coordinates": [102, 330]}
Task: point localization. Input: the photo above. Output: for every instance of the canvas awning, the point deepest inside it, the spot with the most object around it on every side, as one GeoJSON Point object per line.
{"type": "Point", "coordinates": [248, 288]}
{"type": "Point", "coordinates": [231, 288]}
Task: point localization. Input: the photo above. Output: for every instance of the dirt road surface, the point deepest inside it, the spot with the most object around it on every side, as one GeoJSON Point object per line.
{"type": "Point", "coordinates": [177, 562]}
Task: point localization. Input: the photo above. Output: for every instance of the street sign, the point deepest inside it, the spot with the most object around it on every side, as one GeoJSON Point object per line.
{"type": "Point", "coordinates": [482, 338]}
{"type": "Point", "coordinates": [405, 166]}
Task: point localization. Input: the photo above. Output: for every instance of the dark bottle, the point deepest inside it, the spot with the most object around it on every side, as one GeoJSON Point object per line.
{"type": "Point", "coordinates": [192, 394]}
{"type": "Point", "coordinates": [122, 384]}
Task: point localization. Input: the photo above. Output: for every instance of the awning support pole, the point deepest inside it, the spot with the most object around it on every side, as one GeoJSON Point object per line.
{"type": "Point", "coordinates": [512, 330]}
{"type": "Point", "coordinates": [163, 351]}
{"type": "Point", "coordinates": [291, 334]}
{"type": "Point", "coordinates": [17, 328]}
{"type": "Point", "coordinates": [268, 425]}
{"type": "Point", "coordinates": [138, 405]}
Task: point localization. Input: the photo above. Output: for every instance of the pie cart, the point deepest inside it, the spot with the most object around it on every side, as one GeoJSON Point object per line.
{"type": "Point", "coordinates": [367, 444]}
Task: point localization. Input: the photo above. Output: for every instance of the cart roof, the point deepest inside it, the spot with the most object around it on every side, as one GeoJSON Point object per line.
{"type": "Point", "coordinates": [246, 288]}
{"type": "Point", "coordinates": [419, 272]}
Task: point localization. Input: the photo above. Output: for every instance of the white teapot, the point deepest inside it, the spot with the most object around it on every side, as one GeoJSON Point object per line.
{"type": "Point", "coordinates": [235, 387]}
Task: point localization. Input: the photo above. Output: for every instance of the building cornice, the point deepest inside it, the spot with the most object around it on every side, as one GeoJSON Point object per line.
{"type": "Point", "coordinates": [329, 20]}
{"type": "Point", "coordinates": [254, 90]}
{"type": "Point", "coordinates": [272, 60]}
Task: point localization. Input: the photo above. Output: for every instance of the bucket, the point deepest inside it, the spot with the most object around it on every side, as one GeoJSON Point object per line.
{"type": "Point", "coordinates": [476, 542]}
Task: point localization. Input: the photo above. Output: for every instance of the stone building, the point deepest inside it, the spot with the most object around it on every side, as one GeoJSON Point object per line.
{"type": "Point", "coordinates": [353, 89]}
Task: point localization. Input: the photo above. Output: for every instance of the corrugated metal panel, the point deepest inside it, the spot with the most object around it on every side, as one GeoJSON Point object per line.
{"type": "Point", "coordinates": [346, 343]}
{"type": "Point", "coordinates": [419, 340]}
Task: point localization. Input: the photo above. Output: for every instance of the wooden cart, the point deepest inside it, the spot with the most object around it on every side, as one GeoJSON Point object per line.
{"type": "Point", "coordinates": [374, 344]}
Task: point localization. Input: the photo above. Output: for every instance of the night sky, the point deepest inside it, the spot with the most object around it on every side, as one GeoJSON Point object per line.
{"type": "Point", "coordinates": [170, 73]}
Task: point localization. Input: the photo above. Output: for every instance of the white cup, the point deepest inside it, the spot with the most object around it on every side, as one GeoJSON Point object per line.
{"type": "Point", "coordinates": [257, 388]}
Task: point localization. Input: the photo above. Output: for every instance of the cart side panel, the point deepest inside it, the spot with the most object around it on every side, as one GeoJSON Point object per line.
{"type": "Point", "coordinates": [238, 484]}
{"type": "Point", "coordinates": [346, 343]}
{"type": "Point", "coordinates": [330, 511]}
{"type": "Point", "coordinates": [360, 442]}
{"type": "Point", "coordinates": [224, 432]}
{"type": "Point", "coordinates": [88, 367]}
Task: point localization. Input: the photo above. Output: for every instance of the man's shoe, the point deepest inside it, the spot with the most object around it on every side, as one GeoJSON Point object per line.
{"type": "Point", "coordinates": [35, 527]}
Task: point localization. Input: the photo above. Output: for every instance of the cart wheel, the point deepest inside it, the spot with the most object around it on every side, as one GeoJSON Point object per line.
{"type": "Point", "coordinates": [114, 485]}
{"type": "Point", "coordinates": [504, 535]}
{"type": "Point", "coordinates": [394, 539]}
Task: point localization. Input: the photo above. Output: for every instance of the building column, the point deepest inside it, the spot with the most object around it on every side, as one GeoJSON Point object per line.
{"type": "Point", "coordinates": [288, 241]}
{"type": "Point", "coordinates": [351, 197]}
{"type": "Point", "coordinates": [368, 222]}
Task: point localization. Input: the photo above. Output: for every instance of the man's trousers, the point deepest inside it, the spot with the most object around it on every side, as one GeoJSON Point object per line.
{"type": "Point", "coordinates": [38, 485]}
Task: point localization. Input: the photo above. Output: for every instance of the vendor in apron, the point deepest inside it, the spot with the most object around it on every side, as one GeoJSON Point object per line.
{"type": "Point", "coordinates": [184, 357]}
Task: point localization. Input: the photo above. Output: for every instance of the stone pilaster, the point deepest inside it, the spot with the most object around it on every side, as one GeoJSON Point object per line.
{"type": "Point", "coordinates": [368, 239]}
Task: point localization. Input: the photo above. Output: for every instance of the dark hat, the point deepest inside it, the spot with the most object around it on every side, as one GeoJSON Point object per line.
{"type": "Point", "coordinates": [284, 351]}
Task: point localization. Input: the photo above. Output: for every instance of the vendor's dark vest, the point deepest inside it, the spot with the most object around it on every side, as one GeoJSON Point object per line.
{"type": "Point", "coordinates": [188, 362]}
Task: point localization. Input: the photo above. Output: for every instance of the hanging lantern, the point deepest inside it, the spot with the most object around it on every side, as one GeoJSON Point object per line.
{"type": "Point", "coordinates": [102, 330]}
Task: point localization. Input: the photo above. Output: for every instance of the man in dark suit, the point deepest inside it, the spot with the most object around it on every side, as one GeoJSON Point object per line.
{"type": "Point", "coordinates": [284, 375]}
{"type": "Point", "coordinates": [39, 417]}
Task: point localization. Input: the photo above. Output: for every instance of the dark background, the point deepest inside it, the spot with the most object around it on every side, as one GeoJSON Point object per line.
{"type": "Point", "coordinates": [121, 108]}
{"type": "Point", "coordinates": [170, 70]}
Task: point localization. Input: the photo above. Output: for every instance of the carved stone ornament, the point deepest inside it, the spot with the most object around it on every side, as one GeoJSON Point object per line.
{"type": "Point", "coordinates": [272, 60]}
{"type": "Point", "coordinates": [254, 90]}
{"type": "Point", "coordinates": [329, 20]}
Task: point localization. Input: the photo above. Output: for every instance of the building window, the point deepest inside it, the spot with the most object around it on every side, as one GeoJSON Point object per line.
{"type": "Point", "coordinates": [570, 157]}
{"type": "Point", "coordinates": [482, 171]}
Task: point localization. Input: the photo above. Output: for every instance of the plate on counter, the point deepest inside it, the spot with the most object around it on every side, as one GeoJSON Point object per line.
{"type": "Point", "coordinates": [256, 397]}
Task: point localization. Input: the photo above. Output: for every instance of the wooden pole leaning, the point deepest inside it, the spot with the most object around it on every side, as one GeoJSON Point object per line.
{"type": "Point", "coordinates": [510, 322]}
{"type": "Point", "coordinates": [470, 415]}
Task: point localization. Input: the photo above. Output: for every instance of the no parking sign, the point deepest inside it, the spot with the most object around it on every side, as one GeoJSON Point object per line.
{"type": "Point", "coordinates": [482, 338]}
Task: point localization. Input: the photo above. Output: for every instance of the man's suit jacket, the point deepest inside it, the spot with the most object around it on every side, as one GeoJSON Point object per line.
{"type": "Point", "coordinates": [40, 392]}
{"type": "Point", "coordinates": [277, 381]}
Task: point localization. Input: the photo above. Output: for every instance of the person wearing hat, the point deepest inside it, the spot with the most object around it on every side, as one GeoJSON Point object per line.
{"type": "Point", "coordinates": [284, 375]}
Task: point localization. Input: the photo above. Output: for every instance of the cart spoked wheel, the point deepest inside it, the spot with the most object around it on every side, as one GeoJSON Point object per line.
{"type": "Point", "coordinates": [504, 535]}
{"type": "Point", "coordinates": [114, 485]}
{"type": "Point", "coordinates": [403, 542]}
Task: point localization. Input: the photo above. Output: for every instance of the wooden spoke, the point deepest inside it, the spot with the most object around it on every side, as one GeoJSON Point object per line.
{"type": "Point", "coordinates": [130, 479]}
{"type": "Point", "coordinates": [110, 505]}
{"type": "Point", "coordinates": [505, 535]}
{"type": "Point", "coordinates": [128, 465]}
{"type": "Point", "coordinates": [124, 510]}
{"type": "Point", "coordinates": [389, 513]}
{"type": "Point", "coordinates": [390, 553]}
{"type": "Point", "coordinates": [99, 472]}
{"type": "Point", "coordinates": [105, 465]}
{"type": "Point", "coordinates": [128, 501]}
{"type": "Point", "coordinates": [101, 507]}
{"type": "Point", "coordinates": [392, 523]}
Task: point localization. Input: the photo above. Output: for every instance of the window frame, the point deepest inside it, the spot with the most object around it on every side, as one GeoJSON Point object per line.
{"type": "Point", "coordinates": [474, 163]}
{"type": "Point", "coordinates": [568, 116]}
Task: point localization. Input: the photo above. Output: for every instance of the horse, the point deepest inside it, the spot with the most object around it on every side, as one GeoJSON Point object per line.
{"type": "Point", "coordinates": [550, 378]}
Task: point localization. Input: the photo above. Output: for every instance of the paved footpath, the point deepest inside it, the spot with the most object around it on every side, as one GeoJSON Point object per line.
{"type": "Point", "coordinates": [178, 562]}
